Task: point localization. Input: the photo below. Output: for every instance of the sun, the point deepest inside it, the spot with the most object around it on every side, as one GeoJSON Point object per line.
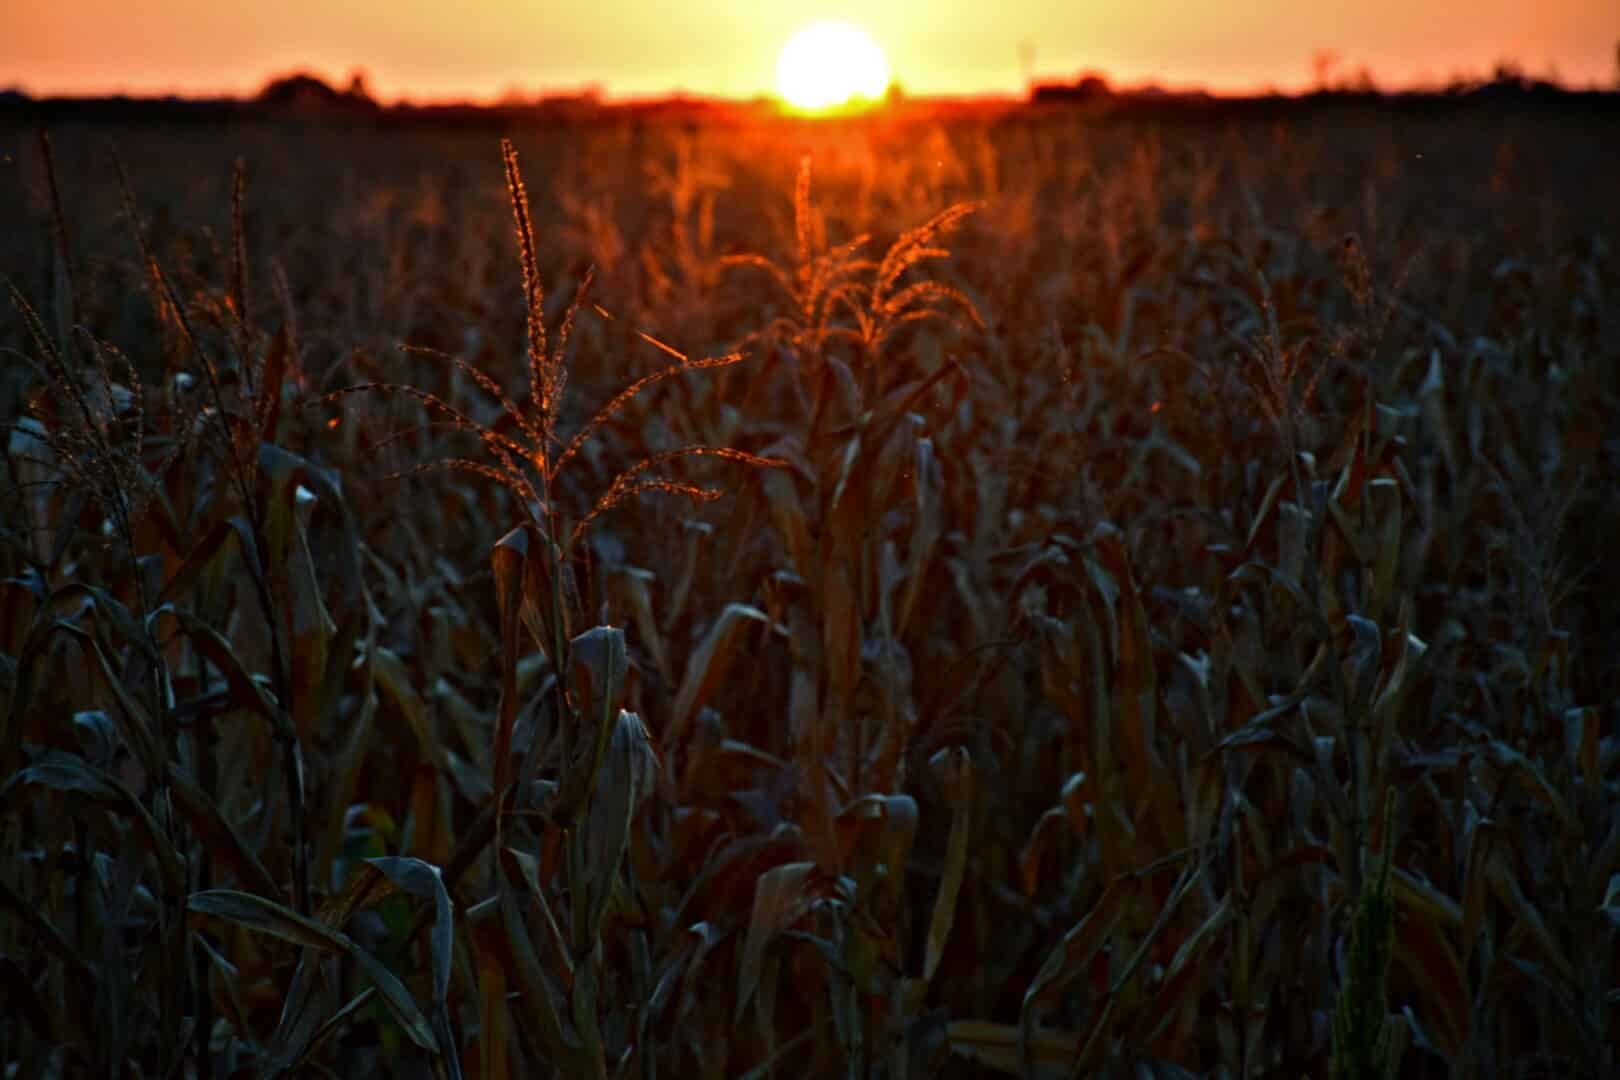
{"type": "Point", "coordinates": [830, 64]}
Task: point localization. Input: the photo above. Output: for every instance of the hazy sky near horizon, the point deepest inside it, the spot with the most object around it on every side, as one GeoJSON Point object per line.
{"type": "Point", "coordinates": [480, 48]}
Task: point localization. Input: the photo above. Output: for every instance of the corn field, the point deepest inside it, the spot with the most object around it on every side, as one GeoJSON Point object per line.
{"type": "Point", "coordinates": [1023, 592]}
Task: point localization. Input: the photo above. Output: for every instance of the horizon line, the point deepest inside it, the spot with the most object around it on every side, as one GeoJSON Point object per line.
{"type": "Point", "coordinates": [1029, 94]}
{"type": "Point", "coordinates": [1363, 81]}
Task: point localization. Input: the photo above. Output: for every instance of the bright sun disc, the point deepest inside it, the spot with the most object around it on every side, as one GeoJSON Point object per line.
{"type": "Point", "coordinates": [830, 64]}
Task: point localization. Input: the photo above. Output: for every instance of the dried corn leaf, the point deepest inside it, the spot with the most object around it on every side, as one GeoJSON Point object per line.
{"type": "Point", "coordinates": [1069, 960]}
{"type": "Point", "coordinates": [423, 880]}
{"type": "Point", "coordinates": [62, 771]}
{"type": "Point", "coordinates": [709, 664]}
{"type": "Point", "coordinates": [542, 999]}
{"type": "Point", "coordinates": [277, 920]}
{"type": "Point", "coordinates": [628, 774]}
{"type": "Point", "coordinates": [221, 838]}
{"type": "Point", "coordinates": [1038, 849]}
{"type": "Point", "coordinates": [782, 896]}
{"type": "Point", "coordinates": [957, 773]}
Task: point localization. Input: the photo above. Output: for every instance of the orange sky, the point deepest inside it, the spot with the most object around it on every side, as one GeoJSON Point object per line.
{"type": "Point", "coordinates": [477, 48]}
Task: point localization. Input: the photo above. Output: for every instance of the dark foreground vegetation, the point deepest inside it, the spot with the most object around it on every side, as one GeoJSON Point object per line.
{"type": "Point", "coordinates": [1035, 591]}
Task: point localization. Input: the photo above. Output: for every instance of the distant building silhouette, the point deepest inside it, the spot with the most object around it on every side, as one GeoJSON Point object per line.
{"type": "Point", "coordinates": [1091, 87]}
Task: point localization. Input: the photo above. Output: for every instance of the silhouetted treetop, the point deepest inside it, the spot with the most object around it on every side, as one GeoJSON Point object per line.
{"type": "Point", "coordinates": [301, 89]}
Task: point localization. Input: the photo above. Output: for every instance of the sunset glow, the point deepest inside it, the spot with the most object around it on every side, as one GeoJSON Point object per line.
{"type": "Point", "coordinates": [831, 64]}
{"type": "Point", "coordinates": [627, 48]}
